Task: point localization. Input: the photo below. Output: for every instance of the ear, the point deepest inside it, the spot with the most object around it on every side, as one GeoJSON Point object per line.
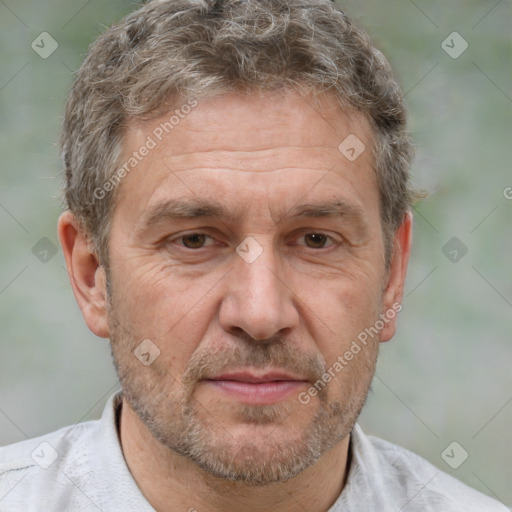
{"type": "Point", "coordinates": [392, 298]}
{"type": "Point", "coordinates": [87, 277]}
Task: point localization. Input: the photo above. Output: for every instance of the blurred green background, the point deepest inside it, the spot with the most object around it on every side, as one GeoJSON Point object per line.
{"type": "Point", "coordinates": [447, 374]}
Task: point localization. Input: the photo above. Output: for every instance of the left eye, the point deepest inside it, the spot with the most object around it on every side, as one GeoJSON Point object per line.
{"type": "Point", "coordinates": [317, 240]}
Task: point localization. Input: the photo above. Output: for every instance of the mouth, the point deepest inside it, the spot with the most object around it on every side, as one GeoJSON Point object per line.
{"type": "Point", "coordinates": [257, 389]}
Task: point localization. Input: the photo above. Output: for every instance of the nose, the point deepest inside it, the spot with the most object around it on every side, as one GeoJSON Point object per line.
{"type": "Point", "coordinates": [259, 298]}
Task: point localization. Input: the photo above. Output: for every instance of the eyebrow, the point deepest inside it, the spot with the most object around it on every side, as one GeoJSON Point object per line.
{"type": "Point", "coordinates": [188, 209]}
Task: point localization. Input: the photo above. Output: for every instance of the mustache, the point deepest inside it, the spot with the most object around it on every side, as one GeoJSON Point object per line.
{"type": "Point", "coordinates": [274, 353]}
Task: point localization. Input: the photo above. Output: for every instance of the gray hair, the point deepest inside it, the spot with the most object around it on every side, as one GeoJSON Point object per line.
{"type": "Point", "coordinates": [172, 50]}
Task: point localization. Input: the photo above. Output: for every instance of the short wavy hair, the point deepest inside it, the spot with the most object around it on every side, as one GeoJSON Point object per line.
{"type": "Point", "coordinates": [170, 50]}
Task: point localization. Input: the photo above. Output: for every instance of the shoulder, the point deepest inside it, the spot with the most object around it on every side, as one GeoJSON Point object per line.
{"type": "Point", "coordinates": [44, 450]}
{"type": "Point", "coordinates": [35, 470]}
{"type": "Point", "coordinates": [417, 484]}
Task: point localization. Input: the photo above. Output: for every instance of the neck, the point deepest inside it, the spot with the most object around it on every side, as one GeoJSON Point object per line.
{"type": "Point", "coordinates": [170, 481]}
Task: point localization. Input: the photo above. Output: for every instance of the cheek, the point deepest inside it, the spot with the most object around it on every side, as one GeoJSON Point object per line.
{"type": "Point", "coordinates": [343, 306]}
{"type": "Point", "coordinates": [152, 302]}
{"type": "Point", "coordinates": [351, 346]}
{"type": "Point", "coordinates": [344, 313]}
{"type": "Point", "coordinates": [151, 293]}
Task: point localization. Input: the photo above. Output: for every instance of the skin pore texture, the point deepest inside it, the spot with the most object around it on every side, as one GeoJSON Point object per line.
{"type": "Point", "coordinates": [319, 281]}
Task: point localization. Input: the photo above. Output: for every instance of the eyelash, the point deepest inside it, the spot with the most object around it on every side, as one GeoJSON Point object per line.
{"type": "Point", "coordinates": [334, 242]}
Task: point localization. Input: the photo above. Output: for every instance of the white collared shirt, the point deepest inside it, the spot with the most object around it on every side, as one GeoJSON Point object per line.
{"type": "Point", "coordinates": [82, 468]}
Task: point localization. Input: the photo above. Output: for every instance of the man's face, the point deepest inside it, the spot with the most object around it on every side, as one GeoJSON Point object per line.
{"type": "Point", "coordinates": [291, 300]}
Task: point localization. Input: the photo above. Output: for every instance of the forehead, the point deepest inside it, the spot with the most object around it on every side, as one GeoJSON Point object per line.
{"type": "Point", "coordinates": [234, 147]}
{"type": "Point", "coordinates": [249, 122]}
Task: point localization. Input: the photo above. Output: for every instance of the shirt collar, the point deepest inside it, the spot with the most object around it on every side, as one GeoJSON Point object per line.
{"type": "Point", "coordinates": [112, 464]}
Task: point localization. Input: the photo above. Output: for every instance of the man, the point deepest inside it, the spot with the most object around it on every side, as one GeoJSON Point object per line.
{"type": "Point", "coordinates": [239, 226]}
